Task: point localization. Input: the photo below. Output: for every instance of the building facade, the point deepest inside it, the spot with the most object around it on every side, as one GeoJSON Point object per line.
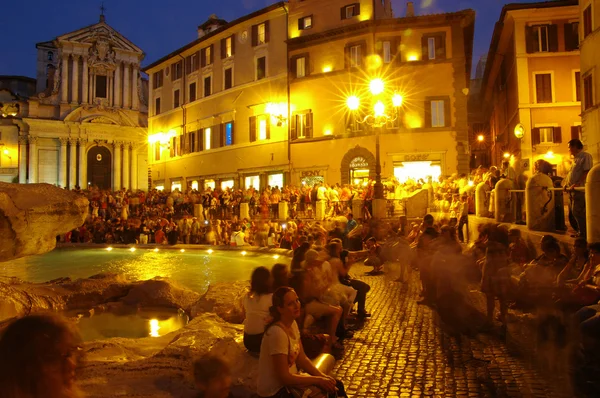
{"type": "Point", "coordinates": [264, 100]}
{"type": "Point", "coordinates": [87, 124]}
{"type": "Point", "coordinates": [589, 17]}
{"type": "Point", "coordinates": [531, 86]}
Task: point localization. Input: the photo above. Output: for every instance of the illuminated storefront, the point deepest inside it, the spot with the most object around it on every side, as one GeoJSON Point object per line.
{"type": "Point", "coordinates": [418, 166]}
{"type": "Point", "coordinates": [252, 182]}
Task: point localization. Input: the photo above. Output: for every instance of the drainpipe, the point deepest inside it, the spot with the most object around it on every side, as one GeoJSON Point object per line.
{"type": "Point", "coordinates": [183, 101]}
{"type": "Point", "coordinates": [289, 97]}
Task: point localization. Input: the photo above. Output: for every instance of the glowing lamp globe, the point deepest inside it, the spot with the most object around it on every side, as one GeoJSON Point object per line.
{"type": "Point", "coordinates": [519, 131]}
{"type": "Point", "coordinates": [379, 108]}
{"type": "Point", "coordinates": [480, 138]}
{"type": "Point", "coordinates": [376, 86]}
{"type": "Point", "coordinates": [397, 100]}
{"type": "Point", "coordinates": [353, 102]}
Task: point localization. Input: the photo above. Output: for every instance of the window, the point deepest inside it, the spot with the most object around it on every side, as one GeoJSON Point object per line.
{"type": "Point", "coordinates": [50, 56]}
{"type": "Point", "coordinates": [207, 138]}
{"type": "Point", "coordinates": [305, 23]}
{"type": "Point", "coordinates": [176, 99]}
{"type": "Point", "coordinates": [176, 71]}
{"type": "Point", "coordinates": [227, 184]}
{"type": "Point", "coordinates": [438, 113]}
{"type": "Point", "coordinates": [543, 88]}
{"type": "Point", "coordinates": [227, 47]}
{"type": "Point", "coordinates": [228, 133]}
{"type": "Point", "coordinates": [588, 92]}
{"type": "Point", "coordinates": [275, 180]}
{"type": "Point", "coordinates": [157, 106]}
{"type": "Point", "coordinates": [300, 67]}
{"type": "Point", "coordinates": [101, 87]}
{"type": "Point", "coordinates": [261, 34]}
{"type": "Point", "coordinates": [192, 139]}
{"type": "Point", "coordinates": [302, 125]}
{"type": "Point", "coordinates": [252, 182]}
{"type": "Point", "coordinates": [542, 38]}
{"type": "Point", "coordinates": [587, 21]}
{"type": "Point", "coordinates": [157, 151]}
{"type": "Point", "coordinates": [192, 95]}
{"type": "Point", "coordinates": [260, 128]}
{"type": "Point", "coordinates": [546, 135]}
{"type": "Point", "coordinates": [387, 52]}
{"type": "Point", "coordinates": [157, 79]}
{"type": "Point", "coordinates": [355, 56]}
{"type": "Point", "coordinates": [228, 78]}
{"type": "Point", "coordinates": [209, 184]}
{"type": "Point", "coordinates": [207, 86]}
{"type": "Point", "coordinates": [208, 55]}
{"type": "Point", "coordinates": [261, 68]}
{"type": "Point", "coordinates": [350, 11]}
{"type": "Point", "coordinates": [577, 83]}
{"type": "Point", "coordinates": [571, 36]}
{"type": "Point", "coordinates": [434, 46]}
{"type": "Point", "coordinates": [194, 185]}
{"type": "Point", "coordinates": [191, 63]}
{"type": "Point", "coordinates": [431, 48]}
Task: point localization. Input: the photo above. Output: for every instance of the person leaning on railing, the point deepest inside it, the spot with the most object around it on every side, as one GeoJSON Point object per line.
{"type": "Point", "coordinates": [582, 164]}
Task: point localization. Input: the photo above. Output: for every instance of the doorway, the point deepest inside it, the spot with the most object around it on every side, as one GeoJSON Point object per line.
{"type": "Point", "coordinates": [99, 162]}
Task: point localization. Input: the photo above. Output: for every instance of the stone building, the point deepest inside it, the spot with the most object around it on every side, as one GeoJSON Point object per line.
{"type": "Point", "coordinates": [531, 86]}
{"type": "Point", "coordinates": [589, 31]}
{"type": "Point", "coordinates": [87, 124]}
{"type": "Point", "coordinates": [263, 100]}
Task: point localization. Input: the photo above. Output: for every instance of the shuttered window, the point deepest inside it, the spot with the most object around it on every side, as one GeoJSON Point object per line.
{"type": "Point", "coordinates": [302, 125]}
{"type": "Point", "coordinates": [571, 36]}
{"type": "Point", "coordinates": [541, 38]}
{"type": "Point", "coordinates": [543, 88]}
{"type": "Point", "coordinates": [437, 112]}
{"type": "Point", "coordinates": [434, 46]}
{"type": "Point", "coordinates": [587, 21]}
{"type": "Point", "coordinates": [260, 34]}
{"type": "Point", "coordinates": [588, 92]}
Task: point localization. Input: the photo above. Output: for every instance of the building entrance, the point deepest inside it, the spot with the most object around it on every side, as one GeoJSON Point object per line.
{"type": "Point", "coordinates": [99, 161]}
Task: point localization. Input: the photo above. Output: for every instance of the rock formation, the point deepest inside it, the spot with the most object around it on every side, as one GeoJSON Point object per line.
{"type": "Point", "coordinates": [225, 300]}
{"type": "Point", "coordinates": [32, 215]}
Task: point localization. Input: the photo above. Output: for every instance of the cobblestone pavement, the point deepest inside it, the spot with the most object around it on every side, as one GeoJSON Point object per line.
{"type": "Point", "coordinates": [402, 351]}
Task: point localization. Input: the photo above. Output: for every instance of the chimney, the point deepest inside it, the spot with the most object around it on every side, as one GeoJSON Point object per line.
{"type": "Point", "coordinates": [410, 9]}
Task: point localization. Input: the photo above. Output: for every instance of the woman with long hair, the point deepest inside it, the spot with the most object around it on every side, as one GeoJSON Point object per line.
{"type": "Point", "coordinates": [282, 354]}
{"type": "Point", "coordinates": [256, 306]}
{"type": "Point", "coordinates": [39, 355]}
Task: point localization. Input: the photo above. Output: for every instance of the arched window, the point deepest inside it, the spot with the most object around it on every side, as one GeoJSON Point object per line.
{"type": "Point", "coordinates": [50, 55]}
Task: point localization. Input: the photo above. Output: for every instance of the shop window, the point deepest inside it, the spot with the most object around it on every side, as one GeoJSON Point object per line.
{"type": "Point", "coordinates": [176, 186]}
{"type": "Point", "coordinates": [252, 182]}
{"type": "Point", "coordinates": [160, 187]}
{"type": "Point", "coordinates": [312, 181]}
{"type": "Point", "coordinates": [417, 170]}
{"type": "Point", "coordinates": [275, 180]}
{"type": "Point", "coordinates": [209, 184]}
{"type": "Point", "coordinates": [194, 185]}
{"type": "Point", "coordinates": [227, 184]}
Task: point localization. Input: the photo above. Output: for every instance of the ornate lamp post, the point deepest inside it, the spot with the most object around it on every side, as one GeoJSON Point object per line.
{"type": "Point", "coordinates": [378, 116]}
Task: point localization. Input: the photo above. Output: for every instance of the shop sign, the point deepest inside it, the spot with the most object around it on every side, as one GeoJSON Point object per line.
{"type": "Point", "coordinates": [311, 173]}
{"type": "Point", "coordinates": [419, 157]}
{"type": "Point", "coordinates": [359, 163]}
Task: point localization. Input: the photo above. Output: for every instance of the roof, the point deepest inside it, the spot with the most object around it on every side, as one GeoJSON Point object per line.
{"type": "Point", "coordinates": [212, 20]}
{"type": "Point", "coordinates": [14, 77]}
{"type": "Point", "coordinates": [215, 32]}
{"type": "Point", "coordinates": [500, 25]}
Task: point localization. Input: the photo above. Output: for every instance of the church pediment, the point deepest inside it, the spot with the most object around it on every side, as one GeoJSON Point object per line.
{"type": "Point", "coordinates": [100, 33]}
{"type": "Point", "coordinates": [99, 119]}
{"type": "Point", "coordinates": [99, 115]}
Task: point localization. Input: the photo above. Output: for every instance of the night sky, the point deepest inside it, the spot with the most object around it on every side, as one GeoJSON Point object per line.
{"type": "Point", "coordinates": [159, 27]}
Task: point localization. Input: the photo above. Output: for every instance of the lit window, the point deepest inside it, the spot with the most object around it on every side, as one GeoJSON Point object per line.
{"type": "Point", "coordinates": [355, 56]}
{"type": "Point", "coordinates": [195, 185]}
{"type": "Point", "coordinates": [387, 52]}
{"type": "Point", "coordinates": [226, 184]}
{"type": "Point", "coordinates": [261, 38]}
{"type": "Point", "coordinates": [159, 187]}
{"type": "Point", "coordinates": [209, 184]}
{"type": "Point", "coordinates": [252, 182]}
{"type": "Point", "coordinates": [207, 55]}
{"type": "Point", "coordinates": [437, 114]}
{"type": "Point", "coordinates": [301, 125]}
{"type": "Point", "coordinates": [275, 180]}
{"type": "Point", "coordinates": [351, 11]}
{"type": "Point", "coordinates": [431, 47]}
{"type": "Point", "coordinates": [228, 47]}
{"type": "Point", "coordinates": [228, 134]}
{"type": "Point", "coordinates": [305, 23]}
{"type": "Point", "coordinates": [176, 186]}
{"type": "Point", "coordinates": [546, 135]}
{"type": "Point", "coordinates": [300, 67]}
{"type": "Point", "coordinates": [207, 141]}
{"type": "Point", "coordinates": [262, 128]}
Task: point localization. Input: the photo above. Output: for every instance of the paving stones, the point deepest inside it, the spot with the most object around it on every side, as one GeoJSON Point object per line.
{"type": "Point", "coordinates": [403, 352]}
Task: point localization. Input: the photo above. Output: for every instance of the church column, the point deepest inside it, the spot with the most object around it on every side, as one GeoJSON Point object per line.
{"type": "Point", "coordinates": [118, 91]}
{"type": "Point", "coordinates": [72, 163]}
{"type": "Point", "coordinates": [62, 162]}
{"type": "Point", "coordinates": [117, 166]}
{"type": "Point", "coordinates": [126, 170]}
{"type": "Point", "coordinates": [75, 80]}
{"type": "Point", "coordinates": [134, 89]}
{"type": "Point", "coordinates": [83, 163]}
{"type": "Point", "coordinates": [109, 89]}
{"type": "Point", "coordinates": [22, 160]}
{"type": "Point", "coordinates": [134, 167]}
{"type": "Point", "coordinates": [84, 84]}
{"type": "Point", "coordinates": [64, 76]}
{"type": "Point", "coordinates": [126, 92]}
{"type": "Point", "coordinates": [33, 160]}
{"type": "Point", "coordinates": [92, 87]}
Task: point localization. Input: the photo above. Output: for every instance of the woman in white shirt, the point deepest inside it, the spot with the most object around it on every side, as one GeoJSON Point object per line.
{"type": "Point", "coordinates": [282, 355]}
{"type": "Point", "coordinates": [256, 305]}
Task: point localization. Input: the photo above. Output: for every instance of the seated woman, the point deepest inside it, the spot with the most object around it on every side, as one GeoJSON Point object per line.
{"type": "Point", "coordinates": [256, 306]}
{"type": "Point", "coordinates": [374, 258]}
{"type": "Point", "coordinates": [578, 266]}
{"type": "Point", "coordinates": [282, 355]}
{"type": "Point", "coordinates": [39, 355]}
{"type": "Point", "coordinates": [585, 290]}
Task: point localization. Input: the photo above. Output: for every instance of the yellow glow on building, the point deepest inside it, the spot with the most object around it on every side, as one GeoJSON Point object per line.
{"type": "Point", "coordinates": [413, 120]}
{"type": "Point", "coordinates": [162, 138]}
{"type": "Point", "coordinates": [374, 61]}
{"type": "Point", "coordinates": [413, 57]}
{"type": "Point", "coordinates": [328, 130]}
{"type": "Point", "coordinates": [327, 68]}
{"type": "Point", "coordinates": [549, 155]}
{"type": "Point", "coordinates": [376, 86]}
{"type": "Point", "coordinates": [353, 102]}
{"type": "Point", "coordinates": [397, 100]}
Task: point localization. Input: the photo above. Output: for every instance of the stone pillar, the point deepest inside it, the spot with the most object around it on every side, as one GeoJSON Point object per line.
{"type": "Point", "coordinates": [116, 166]}
{"type": "Point", "coordinates": [244, 211]}
{"type": "Point", "coordinates": [134, 168]}
{"type": "Point", "coordinates": [75, 81]}
{"type": "Point", "coordinates": [84, 83]}
{"type": "Point", "coordinates": [72, 163]}
{"type": "Point", "coordinates": [482, 208]}
{"type": "Point", "coordinates": [505, 205]}
{"type": "Point", "coordinates": [134, 89]}
{"type": "Point", "coordinates": [109, 89]}
{"type": "Point", "coordinates": [83, 163]}
{"type": "Point", "coordinates": [33, 160]}
{"type": "Point", "coordinates": [22, 160]}
{"type": "Point", "coordinates": [62, 163]}
{"type": "Point", "coordinates": [118, 91]}
{"type": "Point", "coordinates": [126, 89]}
{"type": "Point", "coordinates": [92, 90]}
{"type": "Point", "coordinates": [592, 204]}
{"type": "Point", "coordinates": [540, 204]}
{"type": "Point", "coordinates": [357, 208]}
{"type": "Point", "coordinates": [64, 78]}
{"type": "Point", "coordinates": [283, 210]}
{"type": "Point", "coordinates": [379, 208]}
{"type": "Point", "coordinates": [320, 210]}
{"type": "Point", "coordinates": [126, 171]}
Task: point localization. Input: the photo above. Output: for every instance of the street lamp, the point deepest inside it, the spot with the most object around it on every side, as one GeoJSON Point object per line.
{"type": "Point", "coordinates": [378, 116]}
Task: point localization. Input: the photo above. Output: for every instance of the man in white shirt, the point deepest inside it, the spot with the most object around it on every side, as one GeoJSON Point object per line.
{"type": "Point", "coordinates": [239, 237]}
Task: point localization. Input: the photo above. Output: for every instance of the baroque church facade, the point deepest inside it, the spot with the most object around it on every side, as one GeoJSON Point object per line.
{"type": "Point", "coordinates": [87, 123]}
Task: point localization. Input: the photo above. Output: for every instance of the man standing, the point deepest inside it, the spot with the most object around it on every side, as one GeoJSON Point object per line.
{"type": "Point", "coordinates": [582, 163]}
{"type": "Point", "coordinates": [350, 225]}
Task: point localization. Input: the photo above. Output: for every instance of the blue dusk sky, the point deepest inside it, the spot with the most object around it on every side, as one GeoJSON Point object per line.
{"type": "Point", "coordinates": [159, 27]}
